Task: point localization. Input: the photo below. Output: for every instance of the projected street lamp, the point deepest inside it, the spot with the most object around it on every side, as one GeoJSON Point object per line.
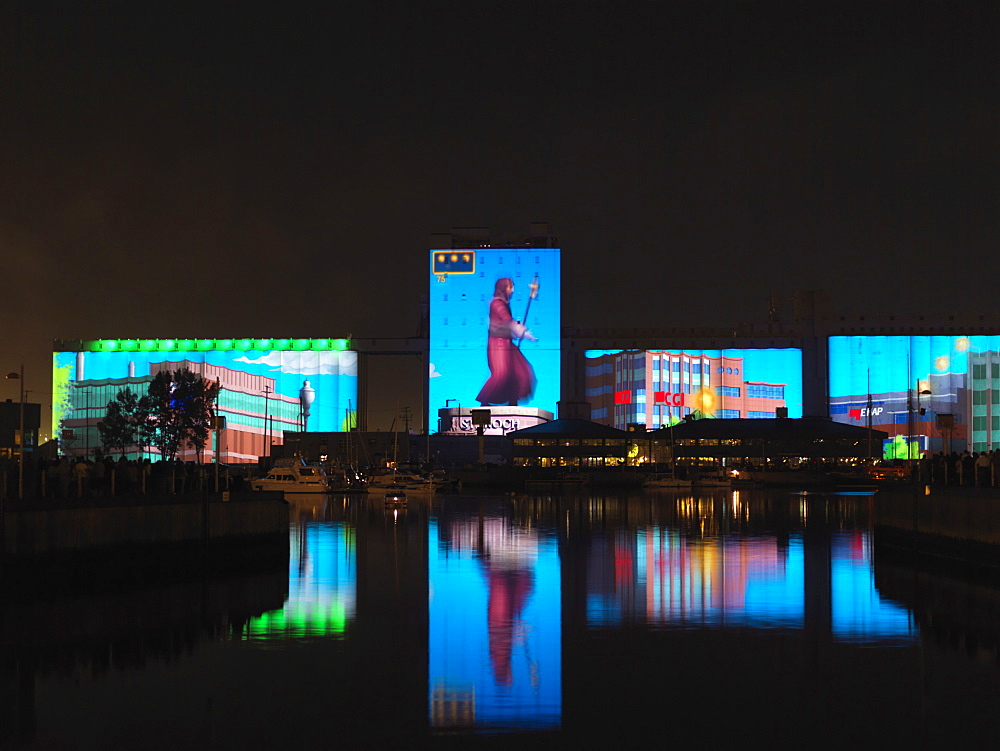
{"type": "Point", "coordinates": [19, 377]}
{"type": "Point", "coordinates": [919, 411]}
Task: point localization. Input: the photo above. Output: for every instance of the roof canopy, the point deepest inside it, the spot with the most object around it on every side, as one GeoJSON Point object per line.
{"type": "Point", "coordinates": [803, 427]}
{"type": "Point", "coordinates": [570, 427]}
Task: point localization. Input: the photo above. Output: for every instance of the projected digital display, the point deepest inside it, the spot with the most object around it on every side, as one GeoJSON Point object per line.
{"type": "Point", "coordinates": [262, 393]}
{"type": "Point", "coordinates": [494, 328]}
{"type": "Point", "coordinates": [495, 625]}
{"type": "Point", "coordinates": [929, 393]}
{"type": "Point", "coordinates": [660, 387]}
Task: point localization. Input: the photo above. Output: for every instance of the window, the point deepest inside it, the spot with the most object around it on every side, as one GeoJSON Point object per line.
{"type": "Point", "coordinates": [728, 390]}
{"type": "Point", "coordinates": [762, 391]}
{"type": "Point", "coordinates": [727, 414]}
{"type": "Point", "coordinates": [770, 415]}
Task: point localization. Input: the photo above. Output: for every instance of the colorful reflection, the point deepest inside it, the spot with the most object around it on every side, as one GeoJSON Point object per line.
{"type": "Point", "coordinates": [660, 577]}
{"type": "Point", "coordinates": [322, 586]}
{"type": "Point", "coordinates": [495, 646]}
{"type": "Point", "coordinates": [860, 613]}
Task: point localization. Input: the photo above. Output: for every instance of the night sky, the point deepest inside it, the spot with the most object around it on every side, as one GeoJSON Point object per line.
{"type": "Point", "coordinates": [218, 170]}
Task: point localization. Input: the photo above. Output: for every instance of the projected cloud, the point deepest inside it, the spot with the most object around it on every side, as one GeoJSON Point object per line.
{"type": "Point", "coordinates": [308, 363]}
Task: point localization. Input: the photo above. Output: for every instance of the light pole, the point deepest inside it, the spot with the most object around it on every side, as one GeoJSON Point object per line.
{"type": "Point", "coordinates": [20, 470]}
{"type": "Point", "coordinates": [267, 427]}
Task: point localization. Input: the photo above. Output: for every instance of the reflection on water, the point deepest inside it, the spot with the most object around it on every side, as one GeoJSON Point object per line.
{"type": "Point", "coordinates": [586, 616]}
{"type": "Point", "coordinates": [494, 622]}
{"type": "Point", "coordinates": [322, 577]}
{"type": "Point", "coordinates": [706, 568]}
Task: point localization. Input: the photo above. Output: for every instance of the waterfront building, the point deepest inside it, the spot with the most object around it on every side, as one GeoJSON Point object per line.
{"type": "Point", "coordinates": [763, 443]}
{"type": "Point", "coordinates": [570, 443]}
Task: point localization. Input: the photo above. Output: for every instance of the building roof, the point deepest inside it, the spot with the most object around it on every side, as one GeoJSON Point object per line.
{"type": "Point", "coordinates": [570, 427]}
{"type": "Point", "coordinates": [801, 427]}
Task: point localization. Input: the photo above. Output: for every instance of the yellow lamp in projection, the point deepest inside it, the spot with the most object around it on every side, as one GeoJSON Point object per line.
{"type": "Point", "coordinates": [704, 401]}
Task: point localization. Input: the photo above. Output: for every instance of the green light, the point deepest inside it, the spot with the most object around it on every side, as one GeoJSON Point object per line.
{"type": "Point", "coordinates": [206, 345]}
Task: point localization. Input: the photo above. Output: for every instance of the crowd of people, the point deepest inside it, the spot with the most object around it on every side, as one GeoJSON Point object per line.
{"type": "Point", "coordinates": [980, 469]}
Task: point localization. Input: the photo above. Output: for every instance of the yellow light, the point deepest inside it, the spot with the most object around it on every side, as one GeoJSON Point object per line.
{"type": "Point", "coordinates": [962, 344]}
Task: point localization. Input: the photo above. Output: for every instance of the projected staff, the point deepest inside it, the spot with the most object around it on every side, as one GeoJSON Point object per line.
{"type": "Point", "coordinates": [512, 379]}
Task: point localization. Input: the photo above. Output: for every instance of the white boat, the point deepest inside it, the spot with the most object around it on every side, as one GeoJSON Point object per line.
{"type": "Point", "coordinates": [403, 481]}
{"type": "Point", "coordinates": [655, 481]}
{"type": "Point", "coordinates": [293, 477]}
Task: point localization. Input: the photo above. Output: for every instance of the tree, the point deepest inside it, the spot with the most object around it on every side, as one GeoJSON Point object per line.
{"type": "Point", "coordinates": [125, 422]}
{"type": "Point", "coordinates": [182, 405]}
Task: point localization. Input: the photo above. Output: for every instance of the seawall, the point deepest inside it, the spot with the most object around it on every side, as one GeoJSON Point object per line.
{"type": "Point", "coordinates": [957, 523]}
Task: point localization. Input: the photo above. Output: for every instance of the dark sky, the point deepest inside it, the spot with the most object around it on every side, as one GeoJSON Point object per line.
{"type": "Point", "coordinates": [230, 170]}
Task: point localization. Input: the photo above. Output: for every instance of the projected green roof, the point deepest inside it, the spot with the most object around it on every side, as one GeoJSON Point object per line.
{"type": "Point", "coordinates": [200, 345]}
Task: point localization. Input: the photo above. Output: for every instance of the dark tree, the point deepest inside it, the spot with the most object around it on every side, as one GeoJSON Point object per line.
{"type": "Point", "coordinates": [182, 404]}
{"type": "Point", "coordinates": [125, 422]}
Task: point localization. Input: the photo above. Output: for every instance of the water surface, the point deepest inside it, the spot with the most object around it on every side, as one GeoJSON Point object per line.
{"type": "Point", "coordinates": [589, 619]}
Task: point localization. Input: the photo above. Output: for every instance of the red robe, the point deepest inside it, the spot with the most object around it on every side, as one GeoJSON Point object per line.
{"type": "Point", "coordinates": [512, 378]}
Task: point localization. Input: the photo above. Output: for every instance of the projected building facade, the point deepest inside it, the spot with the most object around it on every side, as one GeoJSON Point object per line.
{"type": "Point", "coordinates": [266, 386]}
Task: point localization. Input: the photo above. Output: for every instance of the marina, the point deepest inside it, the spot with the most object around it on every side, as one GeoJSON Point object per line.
{"type": "Point", "coordinates": [537, 618]}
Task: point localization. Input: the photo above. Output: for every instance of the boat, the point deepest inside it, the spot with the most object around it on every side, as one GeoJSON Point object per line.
{"type": "Point", "coordinates": [404, 481]}
{"type": "Point", "coordinates": [711, 480]}
{"type": "Point", "coordinates": [293, 476]}
{"type": "Point", "coordinates": [395, 498]}
{"type": "Point", "coordinates": [666, 481]}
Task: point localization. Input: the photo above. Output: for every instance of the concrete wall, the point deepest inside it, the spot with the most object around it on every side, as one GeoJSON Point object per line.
{"type": "Point", "coordinates": [36, 532]}
{"type": "Point", "coordinates": [952, 523]}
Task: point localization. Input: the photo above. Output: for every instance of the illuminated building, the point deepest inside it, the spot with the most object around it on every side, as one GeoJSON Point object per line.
{"type": "Point", "coordinates": [658, 387]}
{"type": "Point", "coordinates": [570, 443]}
{"type": "Point", "coordinates": [495, 331]}
{"type": "Point", "coordinates": [760, 442]}
{"type": "Point", "coordinates": [266, 387]}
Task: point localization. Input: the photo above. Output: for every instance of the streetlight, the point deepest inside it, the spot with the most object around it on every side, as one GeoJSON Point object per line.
{"type": "Point", "coordinates": [919, 411]}
{"type": "Point", "coordinates": [20, 471]}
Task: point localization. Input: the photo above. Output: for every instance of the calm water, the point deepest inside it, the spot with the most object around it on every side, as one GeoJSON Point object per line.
{"type": "Point", "coordinates": [589, 620]}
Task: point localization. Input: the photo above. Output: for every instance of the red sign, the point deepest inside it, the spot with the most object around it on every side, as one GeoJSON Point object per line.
{"type": "Point", "coordinates": [623, 397]}
{"type": "Point", "coordinates": [665, 397]}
